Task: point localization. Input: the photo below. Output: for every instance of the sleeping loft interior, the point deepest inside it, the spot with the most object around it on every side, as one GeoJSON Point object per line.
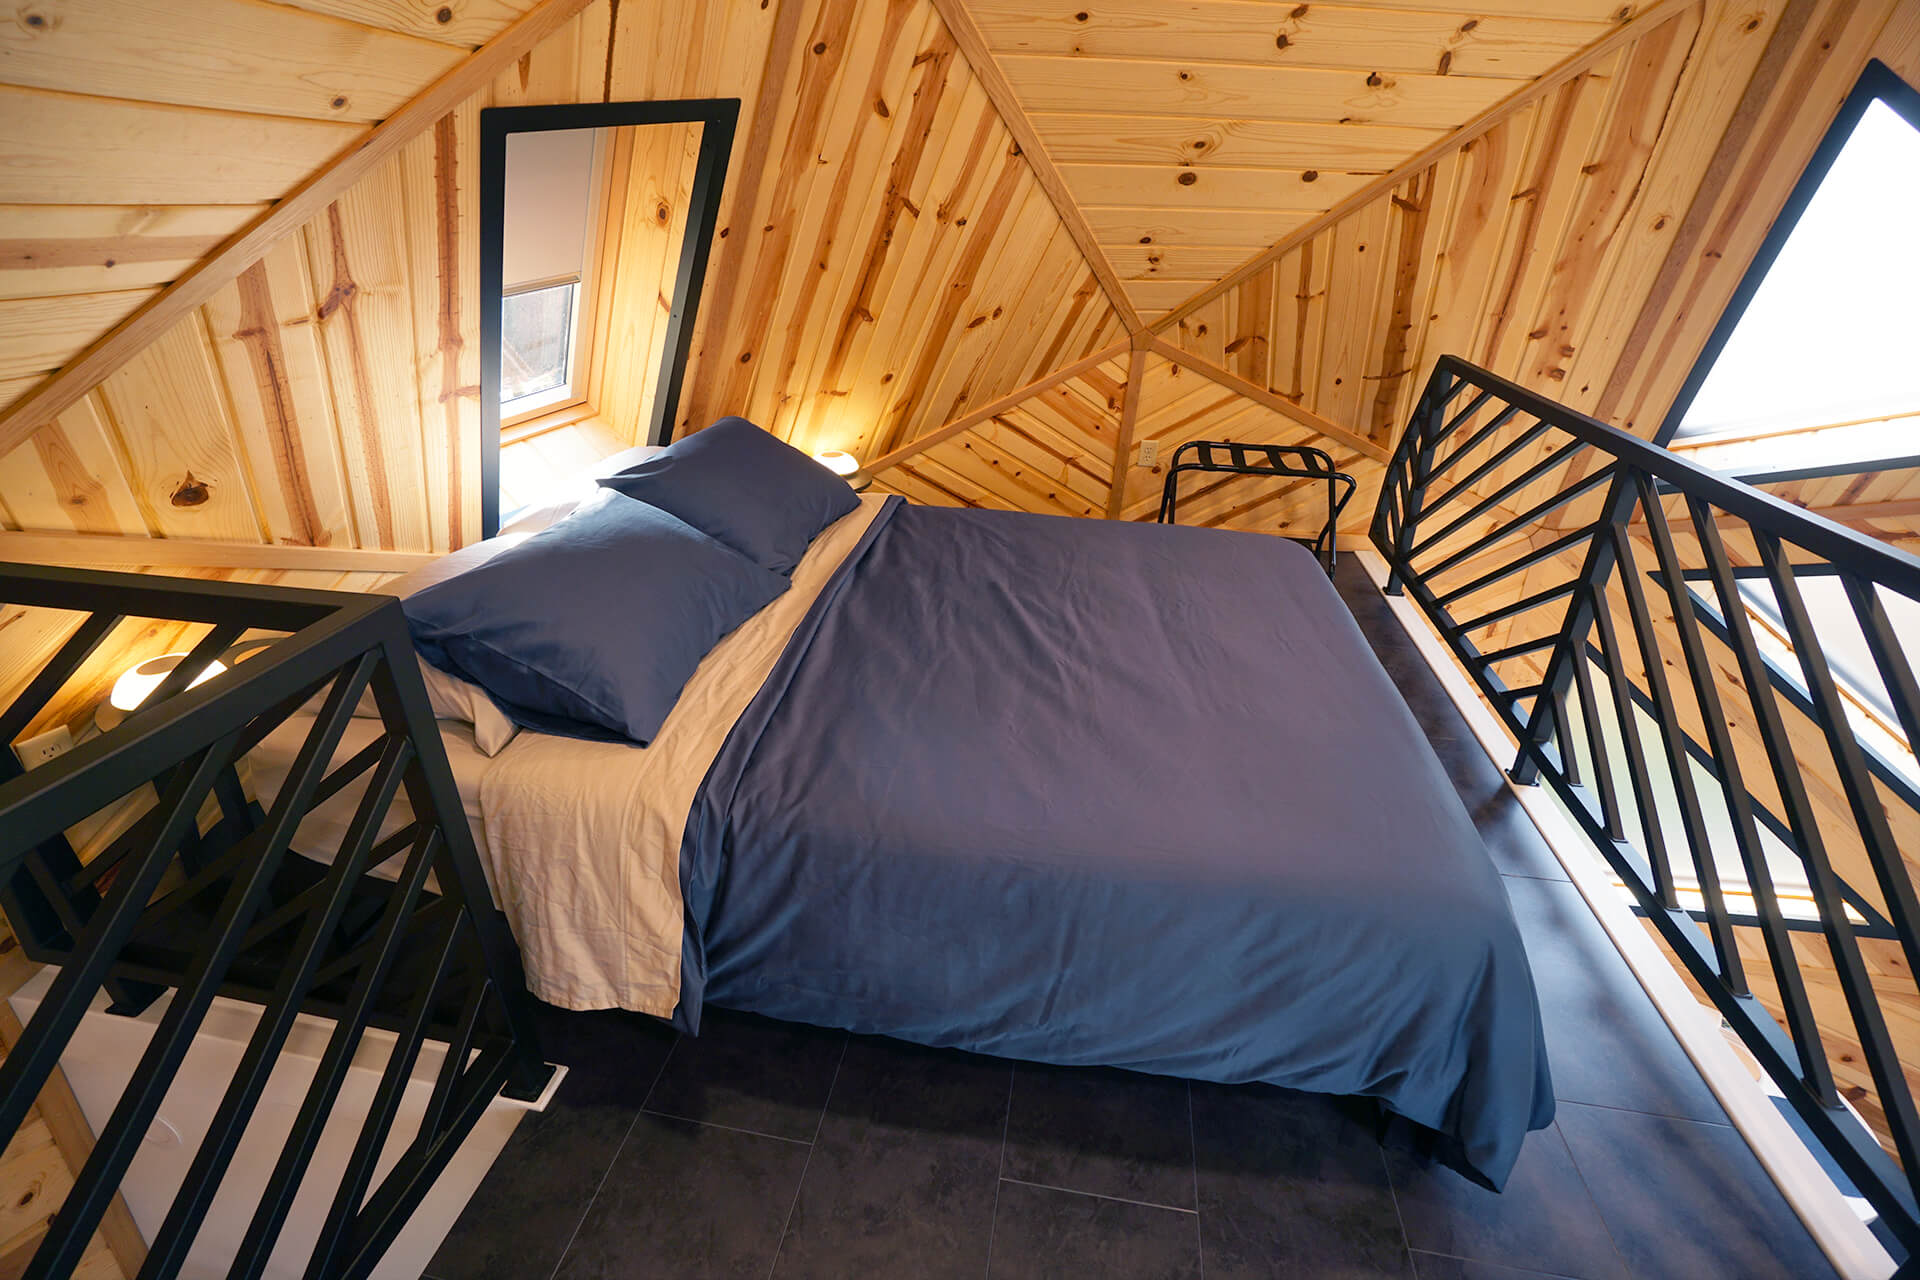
{"type": "Point", "coordinates": [935, 638]}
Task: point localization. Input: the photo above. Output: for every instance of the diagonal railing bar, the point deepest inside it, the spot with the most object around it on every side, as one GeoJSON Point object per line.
{"type": "Point", "coordinates": [1660, 771]}
{"type": "Point", "coordinates": [168, 1249]}
{"type": "Point", "coordinates": [1491, 463]}
{"type": "Point", "coordinates": [251, 1258]}
{"type": "Point", "coordinates": [119, 1139]}
{"type": "Point", "coordinates": [204, 896]}
{"type": "Point", "coordinates": [1556, 458]}
{"type": "Point", "coordinates": [29, 1062]}
{"type": "Point", "coordinates": [387, 1099]}
{"type": "Point", "coordinates": [1814, 1067]}
{"type": "Point", "coordinates": [1520, 523]}
{"type": "Point", "coordinates": [1519, 564]}
{"type": "Point", "coordinates": [1889, 659]}
{"type": "Point", "coordinates": [1693, 820]}
{"type": "Point", "coordinates": [60, 668]}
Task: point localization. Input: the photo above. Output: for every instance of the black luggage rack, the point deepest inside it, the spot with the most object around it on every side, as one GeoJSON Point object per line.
{"type": "Point", "coordinates": [1279, 461]}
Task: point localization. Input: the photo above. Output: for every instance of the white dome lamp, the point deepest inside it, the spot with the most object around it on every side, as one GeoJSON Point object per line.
{"type": "Point", "coordinates": [137, 683]}
{"type": "Point", "coordinates": [846, 466]}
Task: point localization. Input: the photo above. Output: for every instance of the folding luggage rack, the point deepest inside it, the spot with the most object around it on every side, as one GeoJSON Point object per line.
{"type": "Point", "coordinates": [1277, 461]}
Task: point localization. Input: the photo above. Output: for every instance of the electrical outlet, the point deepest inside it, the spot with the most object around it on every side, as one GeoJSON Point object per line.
{"type": "Point", "coordinates": [36, 751]}
{"type": "Point", "coordinates": [1149, 453]}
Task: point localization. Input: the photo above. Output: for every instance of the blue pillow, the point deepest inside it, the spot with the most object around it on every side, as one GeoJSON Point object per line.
{"type": "Point", "coordinates": [744, 487]}
{"type": "Point", "coordinates": [590, 628]}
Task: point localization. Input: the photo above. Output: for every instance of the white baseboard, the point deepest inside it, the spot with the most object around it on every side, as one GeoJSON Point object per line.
{"type": "Point", "coordinates": [1848, 1243]}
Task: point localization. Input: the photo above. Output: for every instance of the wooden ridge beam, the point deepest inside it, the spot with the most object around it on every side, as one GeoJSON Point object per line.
{"type": "Point", "coordinates": [132, 335]}
{"type": "Point", "coordinates": [85, 549]}
{"type": "Point", "coordinates": [1012, 400]}
{"type": "Point", "coordinates": [973, 44]}
{"type": "Point", "coordinates": [1279, 404]}
{"type": "Point", "coordinates": [1629, 31]}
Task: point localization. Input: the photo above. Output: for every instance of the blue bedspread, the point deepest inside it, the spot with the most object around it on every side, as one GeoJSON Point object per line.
{"type": "Point", "coordinates": [1091, 793]}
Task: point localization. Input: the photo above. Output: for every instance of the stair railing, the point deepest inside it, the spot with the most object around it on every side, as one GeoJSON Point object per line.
{"type": "Point", "coordinates": [1685, 660]}
{"type": "Point", "coordinates": [202, 896]}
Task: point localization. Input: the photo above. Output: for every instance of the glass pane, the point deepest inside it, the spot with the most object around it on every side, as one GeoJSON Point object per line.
{"type": "Point", "coordinates": [1829, 336]}
{"type": "Point", "coordinates": [536, 331]}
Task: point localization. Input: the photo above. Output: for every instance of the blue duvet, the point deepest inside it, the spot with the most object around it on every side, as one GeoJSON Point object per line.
{"type": "Point", "coordinates": [1094, 793]}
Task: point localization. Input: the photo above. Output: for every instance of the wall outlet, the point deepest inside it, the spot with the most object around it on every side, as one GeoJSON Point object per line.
{"type": "Point", "coordinates": [1149, 453]}
{"type": "Point", "coordinates": [34, 752]}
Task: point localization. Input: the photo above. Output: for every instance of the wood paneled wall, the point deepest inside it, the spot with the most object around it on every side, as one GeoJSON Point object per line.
{"type": "Point", "coordinates": [134, 138]}
{"type": "Point", "coordinates": [886, 259]}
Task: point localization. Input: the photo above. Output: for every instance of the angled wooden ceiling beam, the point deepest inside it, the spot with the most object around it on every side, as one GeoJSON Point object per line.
{"type": "Point", "coordinates": [966, 33]}
{"type": "Point", "coordinates": [1279, 404]}
{"type": "Point", "coordinates": [1626, 33]}
{"type": "Point", "coordinates": [91, 367]}
{"type": "Point", "coordinates": [993, 408]}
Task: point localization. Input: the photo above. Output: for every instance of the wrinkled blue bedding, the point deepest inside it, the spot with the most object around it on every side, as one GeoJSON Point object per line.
{"type": "Point", "coordinates": [1089, 793]}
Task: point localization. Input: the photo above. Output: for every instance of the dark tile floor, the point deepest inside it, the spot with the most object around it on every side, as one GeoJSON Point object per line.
{"type": "Point", "coordinates": [762, 1149]}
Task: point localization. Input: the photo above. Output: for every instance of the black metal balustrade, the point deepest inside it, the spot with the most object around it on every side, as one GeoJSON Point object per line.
{"type": "Point", "coordinates": [1590, 582]}
{"type": "Point", "coordinates": [177, 903]}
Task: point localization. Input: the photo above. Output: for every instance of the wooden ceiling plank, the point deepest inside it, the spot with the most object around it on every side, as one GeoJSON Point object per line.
{"type": "Point", "coordinates": [1132, 138]}
{"type": "Point", "coordinates": [37, 334]}
{"type": "Point", "coordinates": [1656, 13]}
{"type": "Point", "coordinates": [75, 248]}
{"type": "Point", "coordinates": [66, 148]}
{"type": "Point", "coordinates": [1513, 45]}
{"type": "Point", "coordinates": [1013, 114]}
{"type": "Point", "coordinates": [158, 314]}
{"type": "Point", "coordinates": [1215, 90]}
{"type": "Point", "coordinates": [469, 23]}
{"type": "Point", "coordinates": [1174, 187]}
{"type": "Point", "coordinates": [229, 55]}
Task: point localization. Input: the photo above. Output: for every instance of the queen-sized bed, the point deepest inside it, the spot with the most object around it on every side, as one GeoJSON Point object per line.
{"type": "Point", "coordinates": [1060, 790]}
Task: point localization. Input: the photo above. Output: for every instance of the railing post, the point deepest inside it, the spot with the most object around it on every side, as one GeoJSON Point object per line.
{"type": "Point", "coordinates": [1419, 433]}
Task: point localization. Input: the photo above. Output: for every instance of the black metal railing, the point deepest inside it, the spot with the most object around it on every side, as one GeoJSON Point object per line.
{"type": "Point", "coordinates": [1602, 593]}
{"type": "Point", "coordinates": [201, 896]}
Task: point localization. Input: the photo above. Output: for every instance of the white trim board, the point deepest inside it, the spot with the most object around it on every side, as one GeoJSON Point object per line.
{"type": "Point", "coordinates": [1848, 1243]}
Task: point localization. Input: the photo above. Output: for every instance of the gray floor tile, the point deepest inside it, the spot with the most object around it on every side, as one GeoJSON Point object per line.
{"type": "Point", "coordinates": [1042, 1234]}
{"type": "Point", "coordinates": [1606, 1043]}
{"type": "Point", "coordinates": [529, 1204]}
{"type": "Point", "coordinates": [904, 1173]}
{"type": "Point", "coordinates": [688, 1201]}
{"type": "Point", "coordinates": [1685, 1199]}
{"type": "Point", "coordinates": [1292, 1185]}
{"type": "Point", "coordinates": [750, 1073]}
{"type": "Point", "coordinates": [1544, 1220]}
{"type": "Point", "coordinates": [1432, 1266]}
{"type": "Point", "coordinates": [1111, 1133]}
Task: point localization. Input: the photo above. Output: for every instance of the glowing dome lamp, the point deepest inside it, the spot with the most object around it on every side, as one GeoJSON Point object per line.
{"type": "Point", "coordinates": [846, 466]}
{"type": "Point", "coordinates": [137, 683]}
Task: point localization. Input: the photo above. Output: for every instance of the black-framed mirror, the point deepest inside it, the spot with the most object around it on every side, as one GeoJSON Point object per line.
{"type": "Point", "coordinates": [548, 177]}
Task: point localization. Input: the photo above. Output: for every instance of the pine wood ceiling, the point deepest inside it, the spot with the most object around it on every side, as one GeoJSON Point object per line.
{"type": "Point", "coordinates": [139, 136]}
{"type": "Point", "coordinates": [1196, 133]}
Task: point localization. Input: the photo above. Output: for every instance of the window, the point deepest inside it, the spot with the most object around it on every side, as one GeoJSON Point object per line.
{"type": "Point", "coordinates": [1814, 364]}
{"type": "Point", "coordinates": [536, 342]}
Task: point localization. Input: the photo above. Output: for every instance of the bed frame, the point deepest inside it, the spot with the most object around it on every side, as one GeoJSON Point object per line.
{"type": "Point", "coordinates": [201, 896]}
{"type": "Point", "coordinates": [1603, 622]}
